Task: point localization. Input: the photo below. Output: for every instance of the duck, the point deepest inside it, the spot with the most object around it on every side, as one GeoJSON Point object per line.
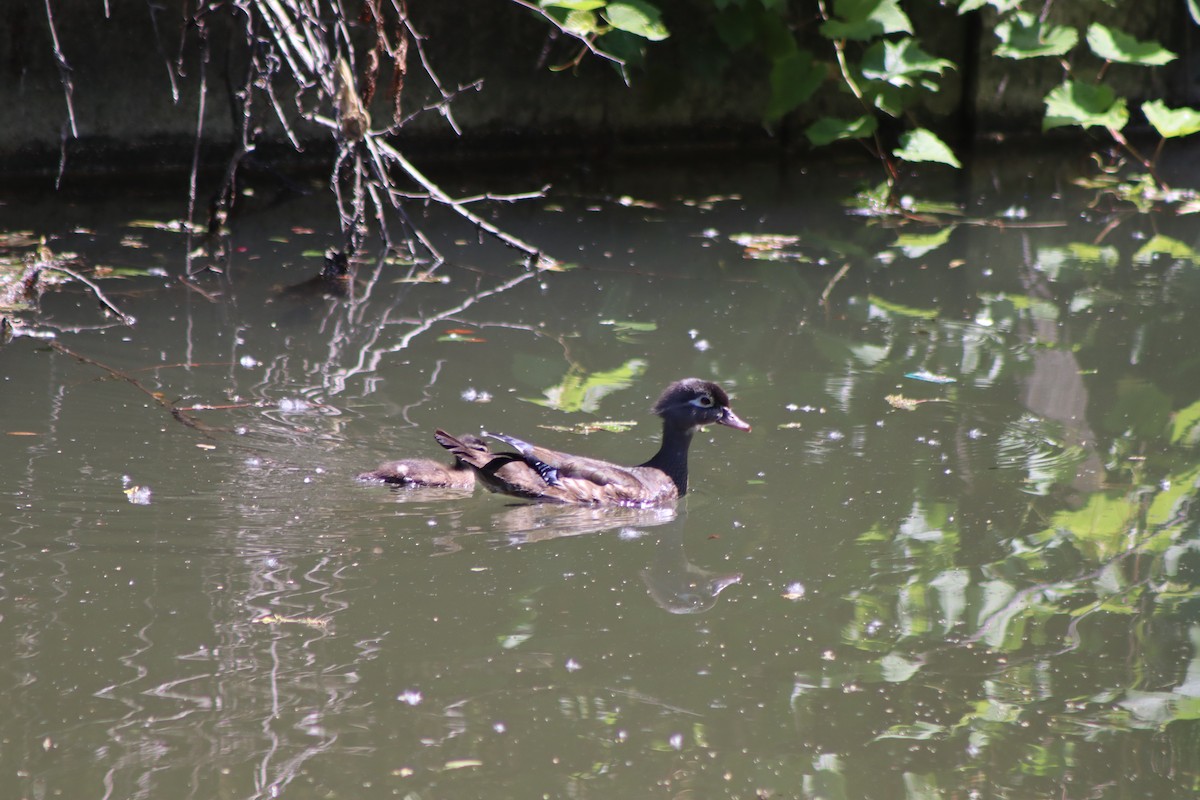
{"type": "Point", "coordinates": [537, 473]}
{"type": "Point", "coordinates": [426, 473]}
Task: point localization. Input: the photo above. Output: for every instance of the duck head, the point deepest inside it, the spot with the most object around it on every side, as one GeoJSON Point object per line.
{"type": "Point", "coordinates": [692, 403]}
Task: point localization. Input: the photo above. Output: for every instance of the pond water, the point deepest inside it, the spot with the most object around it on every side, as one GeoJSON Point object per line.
{"type": "Point", "coordinates": [956, 557]}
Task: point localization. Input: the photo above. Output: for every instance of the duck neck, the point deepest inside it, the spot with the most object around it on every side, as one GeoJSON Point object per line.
{"type": "Point", "coordinates": [672, 455]}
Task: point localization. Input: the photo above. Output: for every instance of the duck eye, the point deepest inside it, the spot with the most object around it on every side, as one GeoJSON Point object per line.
{"type": "Point", "coordinates": [704, 401]}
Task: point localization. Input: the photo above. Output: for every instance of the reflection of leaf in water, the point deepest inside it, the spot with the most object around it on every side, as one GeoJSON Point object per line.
{"type": "Point", "coordinates": [579, 391]}
{"type": "Point", "coordinates": [915, 245]}
{"type": "Point", "coordinates": [1185, 426]}
{"type": "Point", "coordinates": [1165, 245]}
{"type": "Point", "coordinates": [588, 428]}
{"type": "Point", "coordinates": [897, 668]}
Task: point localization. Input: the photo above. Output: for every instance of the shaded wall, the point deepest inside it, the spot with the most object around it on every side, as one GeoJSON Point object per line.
{"type": "Point", "coordinates": [129, 105]}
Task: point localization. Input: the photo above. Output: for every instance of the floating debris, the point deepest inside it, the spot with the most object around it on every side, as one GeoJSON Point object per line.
{"type": "Point", "coordinates": [588, 428]}
{"type": "Point", "coordinates": [794, 591]}
{"type": "Point", "coordinates": [929, 377]}
{"type": "Point", "coordinates": [276, 619]}
{"type": "Point", "coordinates": [138, 495]}
{"type": "Point", "coordinates": [909, 403]}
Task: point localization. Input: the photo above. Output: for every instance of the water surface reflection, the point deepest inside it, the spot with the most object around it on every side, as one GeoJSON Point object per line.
{"type": "Point", "coordinates": [957, 556]}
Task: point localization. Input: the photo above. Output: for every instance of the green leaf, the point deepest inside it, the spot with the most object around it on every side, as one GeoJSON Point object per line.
{"type": "Point", "coordinates": [794, 78]}
{"type": "Point", "coordinates": [891, 100]}
{"type": "Point", "coordinates": [636, 17]}
{"type": "Point", "coordinates": [1024, 36]}
{"type": "Point", "coordinates": [866, 19]}
{"type": "Point", "coordinates": [924, 145]}
{"type": "Point", "coordinates": [1001, 6]}
{"type": "Point", "coordinates": [830, 129]}
{"type": "Point", "coordinates": [1115, 45]}
{"type": "Point", "coordinates": [1171, 122]}
{"type": "Point", "coordinates": [581, 23]}
{"type": "Point", "coordinates": [1085, 105]}
{"type": "Point", "coordinates": [899, 63]}
{"type": "Point", "coordinates": [1193, 8]}
{"type": "Point", "coordinates": [735, 26]}
{"type": "Point", "coordinates": [574, 5]}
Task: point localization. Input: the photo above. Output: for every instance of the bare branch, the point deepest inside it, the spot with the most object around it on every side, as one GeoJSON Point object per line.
{"type": "Point", "coordinates": [540, 260]}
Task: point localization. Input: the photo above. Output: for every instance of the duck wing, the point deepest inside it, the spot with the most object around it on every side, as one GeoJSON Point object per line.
{"type": "Point", "coordinates": [554, 466]}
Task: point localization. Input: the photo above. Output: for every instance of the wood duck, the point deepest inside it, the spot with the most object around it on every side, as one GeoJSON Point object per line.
{"type": "Point", "coordinates": [423, 472]}
{"type": "Point", "coordinates": [536, 473]}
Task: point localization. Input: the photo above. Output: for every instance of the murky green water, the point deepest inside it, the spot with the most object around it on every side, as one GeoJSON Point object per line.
{"type": "Point", "coordinates": [981, 585]}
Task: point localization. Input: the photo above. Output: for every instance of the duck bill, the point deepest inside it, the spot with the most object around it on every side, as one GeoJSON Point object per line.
{"type": "Point", "coordinates": [733, 421]}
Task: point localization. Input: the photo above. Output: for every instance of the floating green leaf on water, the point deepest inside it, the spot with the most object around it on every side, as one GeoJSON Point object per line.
{"type": "Point", "coordinates": [790, 426]}
{"type": "Point", "coordinates": [626, 330]}
{"type": "Point", "coordinates": [917, 731]}
{"type": "Point", "coordinates": [169, 226]}
{"type": "Point", "coordinates": [910, 404]}
{"type": "Point", "coordinates": [588, 428]}
{"type": "Point", "coordinates": [769, 246]}
{"type": "Point", "coordinates": [898, 310]}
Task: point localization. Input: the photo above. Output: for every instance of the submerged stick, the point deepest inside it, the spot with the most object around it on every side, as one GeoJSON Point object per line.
{"type": "Point", "coordinates": [128, 319]}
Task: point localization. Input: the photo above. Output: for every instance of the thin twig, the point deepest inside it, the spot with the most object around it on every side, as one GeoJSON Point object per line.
{"type": "Point", "coordinates": [104, 301]}
{"type": "Point", "coordinates": [587, 42]}
{"type": "Point", "coordinates": [178, 413]}
{"type": "Point", "coordinates": [540, 259]}
{"type": "Point", "coordinates": [64, 71]}
{"type": "Point", "coordinates": [841, 273]}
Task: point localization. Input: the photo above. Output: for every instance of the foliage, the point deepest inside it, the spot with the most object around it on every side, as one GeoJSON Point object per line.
{"type": "Point", "coordinates": [859, 70]}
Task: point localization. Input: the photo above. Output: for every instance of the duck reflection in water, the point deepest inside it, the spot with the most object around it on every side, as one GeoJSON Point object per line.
{"type": "Point", "coordinates": [675, 584]}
